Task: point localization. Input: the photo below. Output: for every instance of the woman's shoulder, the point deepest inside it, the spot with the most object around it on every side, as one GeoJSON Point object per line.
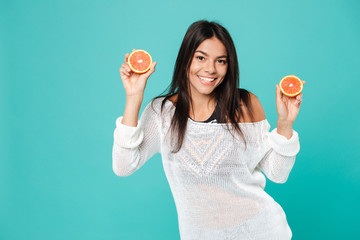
{"type": "Point", "coordinates": [159, 104]}
{"type": "Point", "coordinates": [173, 99]}
{"type": "Point", "coordinates": [250, 105]}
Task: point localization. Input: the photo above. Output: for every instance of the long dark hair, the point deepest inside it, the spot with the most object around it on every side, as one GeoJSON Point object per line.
{"type": "Point", "coordinates": [228, 95]}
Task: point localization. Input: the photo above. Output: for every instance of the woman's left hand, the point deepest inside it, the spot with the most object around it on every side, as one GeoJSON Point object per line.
{"type": "Point", "coordinates": [287, 107]}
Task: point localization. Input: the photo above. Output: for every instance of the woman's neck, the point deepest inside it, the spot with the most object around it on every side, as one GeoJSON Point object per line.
{"type": "Point", "coordinates": [202, 108]}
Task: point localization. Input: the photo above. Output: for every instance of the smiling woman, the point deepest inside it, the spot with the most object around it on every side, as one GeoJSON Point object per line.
{"type": "Point", "coordinates": [208, 68]}
{"type": "Point", "coordinates": [214, 141]}
{"type": "Point", "coordinates": [206, 53]}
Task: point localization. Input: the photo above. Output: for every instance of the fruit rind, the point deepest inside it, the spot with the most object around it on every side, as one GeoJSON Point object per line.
{"type": "Point", "coordinates": [287, 94]}
{"type": "Point", "coordinates": [132, 68]}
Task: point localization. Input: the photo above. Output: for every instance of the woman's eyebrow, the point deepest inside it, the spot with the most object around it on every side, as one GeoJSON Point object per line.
{"type": "Point", "coordinates": [223, 56]}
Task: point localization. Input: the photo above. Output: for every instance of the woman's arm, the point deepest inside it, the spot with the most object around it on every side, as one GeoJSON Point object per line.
{"type": "Point", "coordinates": [134, 146]}
{"type": "Point", "coordinates": [279, 158]}
{"type": "Point", "coordinates": [287, 109]}
{"type": "Point", "coordinates": [134, 85]}
{"type": "Point", "coordinates": [280, 154]}
{"type": "Point", "coordinates": [134, 141]}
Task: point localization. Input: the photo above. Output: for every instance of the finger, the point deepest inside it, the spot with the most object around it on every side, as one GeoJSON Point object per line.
{"type": "Point", "coordinates": [303, 82]}
{"type": "Point", "coordinates": [124, 71]}
{"type": "Point", "coordinates": [126, 68]}
{"type": "Point", "coordinates": [278, 93]}
{"type": "Point", "coordinates": [124, 76]}
{"type": "Point", "coordinates": [299, 97]}
{"type": "Point", "coordinates": [151, 70]}
{"type": "Point", "coordinates": [126, 57]}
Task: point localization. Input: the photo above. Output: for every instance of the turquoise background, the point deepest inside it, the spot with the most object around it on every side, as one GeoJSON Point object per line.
{"type": "Point", "coordinates": [61, 92]}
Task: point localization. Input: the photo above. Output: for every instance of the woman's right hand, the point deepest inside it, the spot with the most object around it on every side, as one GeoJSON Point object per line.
{"type": "Point", "coordinates": [134, 83]}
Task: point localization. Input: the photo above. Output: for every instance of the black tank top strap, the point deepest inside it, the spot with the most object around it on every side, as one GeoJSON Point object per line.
{"type": "Point", "coordinates": [215, 115]}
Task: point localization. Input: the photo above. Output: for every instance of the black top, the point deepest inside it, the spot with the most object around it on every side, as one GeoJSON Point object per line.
{"type": "Point", "coordinates": [214, 116]}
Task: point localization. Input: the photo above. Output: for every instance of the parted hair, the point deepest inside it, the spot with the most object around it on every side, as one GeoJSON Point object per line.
{"type": "Point", "coordinates": [228, 95]}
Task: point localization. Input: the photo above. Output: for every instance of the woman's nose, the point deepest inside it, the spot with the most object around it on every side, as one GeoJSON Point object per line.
{"type": "Point", "coordinates": [210, 67]}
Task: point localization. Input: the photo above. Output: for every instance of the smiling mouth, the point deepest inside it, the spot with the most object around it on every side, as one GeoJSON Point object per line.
{"type": "Point", "coordinates": [207, 79]}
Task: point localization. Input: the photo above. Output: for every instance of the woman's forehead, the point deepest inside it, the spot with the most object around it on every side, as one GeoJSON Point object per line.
{"type": "Point", "coordinates": [212, 47]}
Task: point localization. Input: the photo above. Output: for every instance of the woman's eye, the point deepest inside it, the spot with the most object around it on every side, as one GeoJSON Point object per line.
{"type": "Point", "coordinates": [200, 58]}
{"type": "Point", "coordinates": [222, 61]}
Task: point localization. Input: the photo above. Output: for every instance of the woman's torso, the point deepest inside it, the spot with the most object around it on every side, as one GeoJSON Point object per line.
{"type": "Point", "coordinates": [216, 186]}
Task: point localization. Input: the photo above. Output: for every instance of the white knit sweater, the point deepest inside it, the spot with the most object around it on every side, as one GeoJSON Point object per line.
{"type": "Point", "coordinates": [217, 184]}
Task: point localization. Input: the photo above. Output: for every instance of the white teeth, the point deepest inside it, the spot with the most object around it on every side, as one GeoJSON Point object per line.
{"type": "Point", "coordinates": [207, 79]}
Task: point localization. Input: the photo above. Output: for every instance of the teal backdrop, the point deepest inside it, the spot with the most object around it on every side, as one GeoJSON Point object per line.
{"type": "Point", "coordinates": [61, 93]}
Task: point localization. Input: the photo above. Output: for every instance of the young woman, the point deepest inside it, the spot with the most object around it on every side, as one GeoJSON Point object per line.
{"type": "Point", "coordinates": [214, 140]}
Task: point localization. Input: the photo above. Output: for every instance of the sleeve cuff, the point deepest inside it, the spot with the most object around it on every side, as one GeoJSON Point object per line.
{"type": "Point", "coordinates": [282, 145]}
{"type": "Point", "coordinates": [126, 136]}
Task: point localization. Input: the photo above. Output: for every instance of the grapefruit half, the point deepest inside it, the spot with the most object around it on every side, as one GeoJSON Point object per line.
{"type": "Point", "coordinates": [139, 61]}
{"type": "Point", "coordinates": [291, 85]}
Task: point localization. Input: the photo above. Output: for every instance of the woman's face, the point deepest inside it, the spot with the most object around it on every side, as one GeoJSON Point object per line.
{"type": "Point", "coordinates": [208, 67]}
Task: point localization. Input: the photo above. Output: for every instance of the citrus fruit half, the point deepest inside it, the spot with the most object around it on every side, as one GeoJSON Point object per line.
{"type": "Point", "coordinates": [291, 85]}
{"type": "Point", "coordinates": [139, 61]}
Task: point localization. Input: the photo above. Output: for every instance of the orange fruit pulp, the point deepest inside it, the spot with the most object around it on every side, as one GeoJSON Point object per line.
{"type": "Point", "coordinates": [291, 85]}
{"type": "Point", "coordinates": [139, 61]}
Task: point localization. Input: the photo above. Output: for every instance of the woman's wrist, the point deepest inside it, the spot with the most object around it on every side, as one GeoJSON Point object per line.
{"type": "Point", "coordinates": [132, 109]}
{"type": "Point", "coordinates": [284, 128]}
